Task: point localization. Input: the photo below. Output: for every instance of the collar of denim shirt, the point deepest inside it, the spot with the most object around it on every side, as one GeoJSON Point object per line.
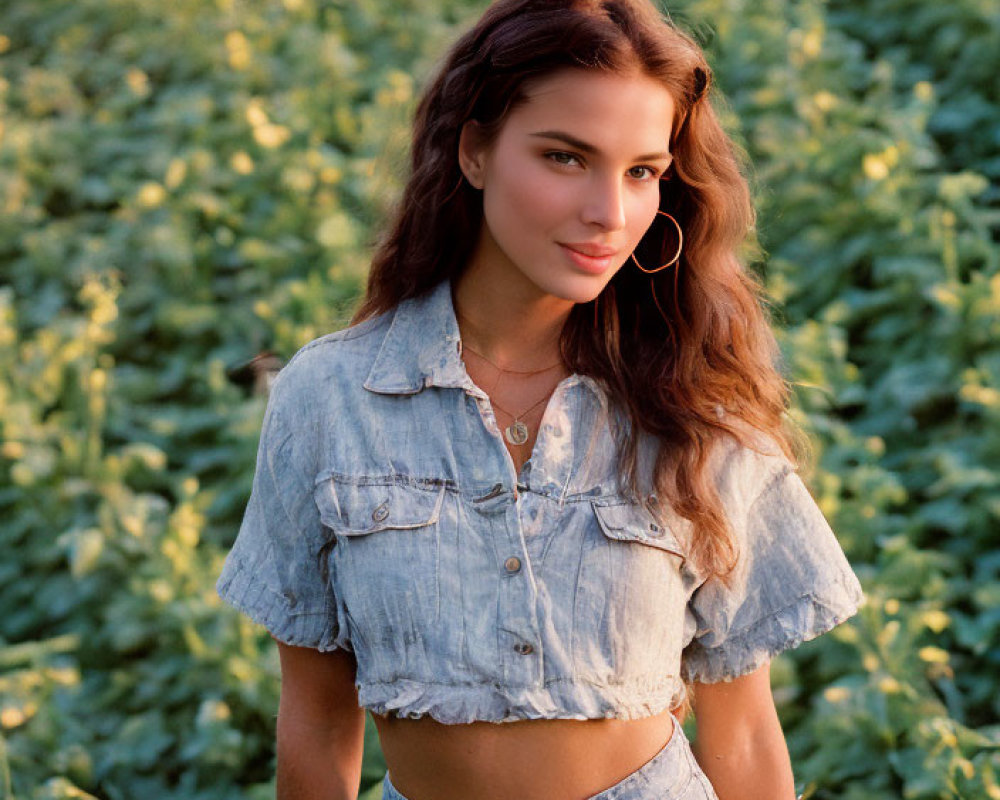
{"type": "Point", "coordinates": [423, 348]}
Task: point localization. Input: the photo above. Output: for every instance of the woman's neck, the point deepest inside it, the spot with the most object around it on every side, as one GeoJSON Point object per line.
{"type": "Point", "coordinates": [506, 322]}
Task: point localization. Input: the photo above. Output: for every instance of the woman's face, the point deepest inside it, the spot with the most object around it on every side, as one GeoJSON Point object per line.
{"type": "Point", "coordinates": [576, 167]}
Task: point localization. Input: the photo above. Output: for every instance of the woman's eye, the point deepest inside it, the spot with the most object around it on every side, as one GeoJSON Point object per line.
{"type": "Point", "coordinates": [651, 174]}
{"type": "Point", "coordinates": [566, 159]}
{"type": "Point", "coordinates": [558, 155]}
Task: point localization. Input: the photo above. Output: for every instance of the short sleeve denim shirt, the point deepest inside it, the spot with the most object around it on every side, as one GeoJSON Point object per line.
{"type": "Point", "coordinates": [386, 518]}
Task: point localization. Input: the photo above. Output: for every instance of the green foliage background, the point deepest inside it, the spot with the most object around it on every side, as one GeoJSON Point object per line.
{"type": "Point", "coordinates": [184, 185]}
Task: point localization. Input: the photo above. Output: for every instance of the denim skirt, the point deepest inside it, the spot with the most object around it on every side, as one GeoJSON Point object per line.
{"type": "Point", "coordinates": [672, 774]}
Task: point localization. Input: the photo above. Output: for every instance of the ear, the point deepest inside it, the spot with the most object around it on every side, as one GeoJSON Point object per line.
{"type": "Point", "coordinates": [472, 153]}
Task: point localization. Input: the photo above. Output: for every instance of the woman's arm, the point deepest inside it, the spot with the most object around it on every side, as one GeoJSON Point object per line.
{"type": "Point", "coordinates": [739, 743]}
{"type": "Point", "coordinates": [320, 736]}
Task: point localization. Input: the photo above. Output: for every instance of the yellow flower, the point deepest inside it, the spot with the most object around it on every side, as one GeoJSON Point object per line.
{"type": "Point", "coordinates": [875, 445]}
{"type": "Point", "coordinates": [241, 162]}
{"type": "Point", "coordinates": [11, 717]}
{"type": "Point", "coordinates": [330, 175]}
{"type": "Point", "coordinates": [138, 82]}
{"type": "Point", "coordinates": [255, 113]}
{"type": "Point", "coordinates": [812, 43]}
{"type": "Point", "coordinates": [936, 620]}
{"type": "Point", "coordinates": [825, 100]}
{"type": "Point", "coordinates": [837, 694]}
{"type": "Point", "coordinates": [933, 655]}
{"type": "Point", "coordinates": [12, 450]}
{"type": "Point", "coordinates": [161, 590]}
{"type": "Point", "coordinates": [239, 50]}
{"type": "Point", "coordinates": [337, 230]}
{"type": "Point", "coordinates": [874, 167]}
{"type": "Point", "coordinates": [151, 194]}
{"type": "Point", "coordinates": [271, 135]}
{"type": "Point", "coordinates": [175, 173]}
{"type": "Point", "coordinates": [98, 380]}
{"type": "Point", "coordinates": [924, 90]}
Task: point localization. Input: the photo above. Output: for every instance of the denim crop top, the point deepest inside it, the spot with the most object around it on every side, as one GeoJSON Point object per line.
{"type": "Point", "coordinates": [386, 518]}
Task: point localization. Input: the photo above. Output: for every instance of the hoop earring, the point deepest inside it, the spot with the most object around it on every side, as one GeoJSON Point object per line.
{"type": "Point", "coordinates": [680, 244]}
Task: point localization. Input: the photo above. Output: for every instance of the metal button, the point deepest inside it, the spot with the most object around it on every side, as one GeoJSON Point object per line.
{"type": "Point", "coordinates": [512, 564]}
{"type": "Point", "coordinates": [381, 512]}
{"type": "Point", "coordinates": [524, 648]}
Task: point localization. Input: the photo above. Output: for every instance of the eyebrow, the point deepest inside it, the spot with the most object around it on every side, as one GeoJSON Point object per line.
{"type": "Point", "coordinates": [579, 144]}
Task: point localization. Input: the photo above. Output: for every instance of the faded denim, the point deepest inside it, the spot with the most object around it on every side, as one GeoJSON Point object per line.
{"type": "Point", "coordinates": [386, 518]}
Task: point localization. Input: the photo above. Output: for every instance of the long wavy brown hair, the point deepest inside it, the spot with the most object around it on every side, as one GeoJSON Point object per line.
{"type": "Point", "coordinates": [691, 364]}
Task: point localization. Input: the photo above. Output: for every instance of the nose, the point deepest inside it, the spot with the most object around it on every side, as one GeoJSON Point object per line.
{"type": "Point", "coordinates": [605, 203]}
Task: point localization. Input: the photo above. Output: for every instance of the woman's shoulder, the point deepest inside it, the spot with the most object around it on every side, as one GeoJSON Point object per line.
{"type": "Point", "coordinates": [744, 465]}
{"type": "Point", "coordinates": [337, 359]}
{"type": "Point", "coordinates": [332, 349]}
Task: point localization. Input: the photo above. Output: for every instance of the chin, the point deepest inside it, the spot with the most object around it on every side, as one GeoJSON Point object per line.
{"type": "Point", "coordinates": [578, 288]}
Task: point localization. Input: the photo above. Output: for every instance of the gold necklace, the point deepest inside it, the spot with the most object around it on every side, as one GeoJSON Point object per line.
{"type": "Point", "coordinates": [517, 431]}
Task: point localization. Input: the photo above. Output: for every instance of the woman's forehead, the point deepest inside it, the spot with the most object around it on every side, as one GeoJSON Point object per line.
{"type": "Point", "coordinates": [596, 106]}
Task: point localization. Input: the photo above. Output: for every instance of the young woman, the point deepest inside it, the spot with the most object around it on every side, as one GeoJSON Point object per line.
{"type": "Point", "coordinates": [540, 498]}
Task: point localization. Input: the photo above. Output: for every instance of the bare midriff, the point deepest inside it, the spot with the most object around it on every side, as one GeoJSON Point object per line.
{"type": "Point", "coordinates": [537, 759]}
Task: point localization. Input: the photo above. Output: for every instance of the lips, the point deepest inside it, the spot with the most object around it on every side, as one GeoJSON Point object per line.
{"type": "Point", "coordinates": [592, 250]}
{"type": "Point", "coordinates": [592, 265]}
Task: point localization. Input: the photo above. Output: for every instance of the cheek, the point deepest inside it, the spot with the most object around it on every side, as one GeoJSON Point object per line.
{"type": "Point", "coordinates": [642, 215]}
{"type": "Point", "coordinates": [525, 191]}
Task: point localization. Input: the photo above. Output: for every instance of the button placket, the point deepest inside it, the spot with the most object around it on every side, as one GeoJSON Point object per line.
{"type": "Point", "coordinates": [518, 610]}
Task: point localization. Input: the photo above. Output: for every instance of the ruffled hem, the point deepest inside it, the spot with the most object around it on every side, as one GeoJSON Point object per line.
{"type": "Point", "coordinates": [460, 704]}
{"type": "Point", "coordinates": [239, 586]}
{"type": "Point", "coordinates": [810, 616]}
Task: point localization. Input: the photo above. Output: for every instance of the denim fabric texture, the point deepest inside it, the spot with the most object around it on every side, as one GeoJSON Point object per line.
{"type": "Point", "coordinates": [672, 774]}
{"type": "Point", "coordinates": [387, 518]}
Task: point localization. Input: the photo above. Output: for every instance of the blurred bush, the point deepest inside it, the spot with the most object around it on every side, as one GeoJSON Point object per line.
{"type": "Point", "coordinates": [187, 187]}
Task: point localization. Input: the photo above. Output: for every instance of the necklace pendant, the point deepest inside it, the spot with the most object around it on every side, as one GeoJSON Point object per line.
{"type": "Point", "coordinates": [516, 432]}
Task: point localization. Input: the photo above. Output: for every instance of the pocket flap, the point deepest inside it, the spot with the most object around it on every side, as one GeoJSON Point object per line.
{"type": "Point", "coordinates": [629, 522]}
{"type": "Point", "coordinates": [359, 507]}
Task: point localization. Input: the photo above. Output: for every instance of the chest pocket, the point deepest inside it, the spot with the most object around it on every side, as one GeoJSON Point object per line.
{"type": "Point", "coordinates": [360, 507]}
{"type": "Point", "coordinates": [629, 597]}
{"type": "Point", "coordinates": [628, 522]}
{"type": "Point", "coordinates": [386, 558]}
